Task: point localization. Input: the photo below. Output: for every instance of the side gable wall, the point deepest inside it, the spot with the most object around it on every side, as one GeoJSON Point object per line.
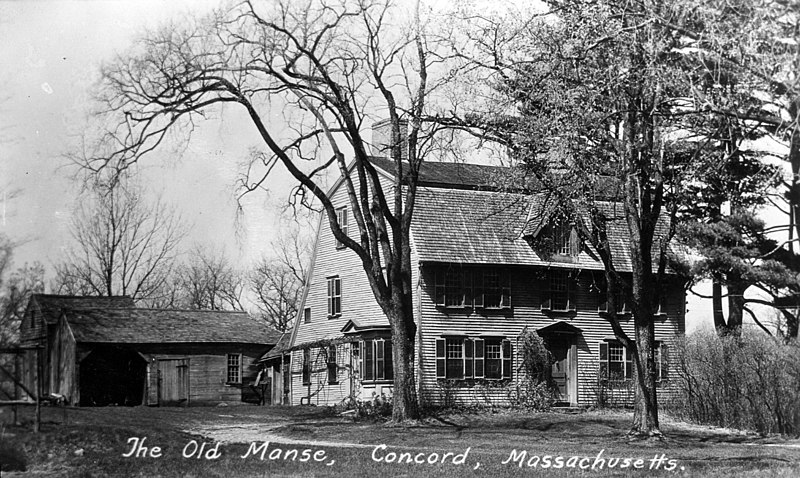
{"type": "Point", "coordinates": [358, 303]}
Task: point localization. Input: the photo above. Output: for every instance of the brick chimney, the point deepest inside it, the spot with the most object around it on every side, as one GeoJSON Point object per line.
{"type": "Point", "coordinates": [383, 140]}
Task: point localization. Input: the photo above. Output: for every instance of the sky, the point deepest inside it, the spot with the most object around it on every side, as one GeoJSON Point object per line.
{"type": "Point", "coordinates": [50, 55]}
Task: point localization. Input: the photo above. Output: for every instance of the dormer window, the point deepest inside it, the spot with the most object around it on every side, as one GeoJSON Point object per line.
{"type": "Point", "coordinates": [562, 238]}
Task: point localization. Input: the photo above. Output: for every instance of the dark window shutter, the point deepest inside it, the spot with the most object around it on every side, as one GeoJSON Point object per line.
{"type": "Point", "coordinates": [440, 360]}
{"type": "Point", "coordinates": [505, 282]}
{"type": "Point", "coordinates": [479, 358]}
{"type": "Point", "coordinates": [379, 360]}
{"type": "Point", "coordinates": [468, 358]}
{"type": "Point", "coordinates": [388, 361]}
{"type": "Point", "coordinates": [507, 358]}
{"type": "Point", "coordinates": [478, 291]}
{"type": "Point", "coordinates": [572, 288]}
{"type": "Point", "coordinates": [628, 363]}
{"type": "Point", "coordinates": [603, 360]}
{"type": "Point", "coordinates": [664, 362]}
{"type": "Point", "coordinates": [369, 360]}
{"type": "Point", "coordinates": [439, 287]}
{"type": "Point", "coordinates": [466, 287]}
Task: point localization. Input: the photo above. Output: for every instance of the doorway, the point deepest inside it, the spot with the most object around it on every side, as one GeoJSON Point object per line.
{"type": "Point", "coordinates": [173, 382]}
{"type": "Point", "coordinates": [564, 370]}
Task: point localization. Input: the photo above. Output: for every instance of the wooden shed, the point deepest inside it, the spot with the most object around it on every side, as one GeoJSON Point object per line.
{"type": "Point", "coordinates": [133, 356]}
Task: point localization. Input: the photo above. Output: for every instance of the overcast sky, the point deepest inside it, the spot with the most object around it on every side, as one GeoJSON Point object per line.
{"type": "Point", "coordinates": [50, 54]}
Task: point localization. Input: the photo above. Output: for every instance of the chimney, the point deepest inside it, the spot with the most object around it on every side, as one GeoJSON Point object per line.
{"type": "Point", "coordinates": [383, 140]}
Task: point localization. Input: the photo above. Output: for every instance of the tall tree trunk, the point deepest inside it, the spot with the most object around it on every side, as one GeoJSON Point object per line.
{"type": "Point", "coordinates": [735, 307]}
{"type": "Point", "coordinates": [645, 407]}
{"type": "Point", "coordinates": [405, 405]}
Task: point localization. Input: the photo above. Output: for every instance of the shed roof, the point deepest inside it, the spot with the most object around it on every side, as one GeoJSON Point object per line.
{"type": "Point", "coordinates": [134, 325]}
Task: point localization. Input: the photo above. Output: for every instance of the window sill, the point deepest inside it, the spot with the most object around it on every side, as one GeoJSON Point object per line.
{"type": "Point", "coordinates": [333, 383]}
{"type": "Point", "coordinates": [381, 381]}
{"type": "Point", "coordinates": [233, 384]}
{"type": "Point", "coordinates": [559, 311]}
{"type": "Point", "coordinates": [334, 316]}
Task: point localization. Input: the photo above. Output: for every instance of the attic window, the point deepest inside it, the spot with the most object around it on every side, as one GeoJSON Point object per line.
{"type": "Point", "coordinates": [562, 238]}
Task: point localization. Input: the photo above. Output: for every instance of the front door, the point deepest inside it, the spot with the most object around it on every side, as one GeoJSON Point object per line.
{"type": "Point", "coordinates": [560, 370]}
{"type": "Point", "coordinates": [563, 370]}
{"type": "Point", "coordinates": [173, 382]}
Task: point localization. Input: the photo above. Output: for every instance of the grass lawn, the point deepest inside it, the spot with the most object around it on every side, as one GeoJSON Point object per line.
{"type": "Point", "coordinates": [92, 441]}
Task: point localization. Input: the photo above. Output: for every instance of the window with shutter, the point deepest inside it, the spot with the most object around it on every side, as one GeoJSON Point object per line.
{"type": "Point", "coordinates": [334, 296]}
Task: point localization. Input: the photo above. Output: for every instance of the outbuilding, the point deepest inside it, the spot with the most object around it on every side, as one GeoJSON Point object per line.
{"type": "Point", "coordinates": [135, 356]}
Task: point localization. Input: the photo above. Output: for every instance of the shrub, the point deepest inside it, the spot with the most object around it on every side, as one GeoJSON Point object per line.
{"type": "Point", "coordinates": [750, 382]}
{"type": "Point", "coordinates": [534, 391]}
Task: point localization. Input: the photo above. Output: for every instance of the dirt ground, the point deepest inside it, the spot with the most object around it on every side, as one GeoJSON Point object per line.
{"type": "Point", "coordinates": [92, 441]}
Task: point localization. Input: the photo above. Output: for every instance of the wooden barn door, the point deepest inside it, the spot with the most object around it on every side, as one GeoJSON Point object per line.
{"type": "Point", "coordinates": [173, 382]}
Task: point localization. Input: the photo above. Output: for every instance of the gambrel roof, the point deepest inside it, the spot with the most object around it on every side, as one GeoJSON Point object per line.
{"type": "Point", "coordinates": [167, 326]}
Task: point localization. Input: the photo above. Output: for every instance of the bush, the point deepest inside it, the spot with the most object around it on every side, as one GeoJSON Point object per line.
{"type": "Point", "coordinates": [750, 382]}
{"type": "Point", "coordinates": [534, 391]}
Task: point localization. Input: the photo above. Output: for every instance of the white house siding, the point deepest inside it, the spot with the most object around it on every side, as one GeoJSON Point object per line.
{"type": "Point", "coordinates": [525, 311]}
{"type": "Point", "coordinates": [358, 303]}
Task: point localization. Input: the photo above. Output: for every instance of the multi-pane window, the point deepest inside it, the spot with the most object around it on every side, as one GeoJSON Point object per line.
{"type": "Point", "coordinates": [341, 216]}
{"type": "Point", "coordinates": [334, 296]}
{"type": "Point", "coordinates": [306, 366]}
{"type": "Point", "coordinates": [376, 360]}
{"type": "Point", "coordinates": [234, 368]}
{"type": "Point", "coordinates": [559, 293]}
{"type": "Point", "coordinates": [562, 238]}
{"type": "Point", "coordinates": [455, 358]}
{"type": "Point", "coordinates": [307, 315]}
{"type": "Point", "coordinates": [467, 358]}
{"type": "Point", "coordinates": [332, 368]}
{"type": "Point", "coordinates": [621, 302]}
{"type": "Point", "coordinates": [488, 288]}
{"type": "Point", "coordinates": [616, 362]}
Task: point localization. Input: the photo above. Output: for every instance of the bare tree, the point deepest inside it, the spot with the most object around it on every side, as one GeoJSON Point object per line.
{"type": "Point", "coordinates": [328, 66]}
{"type": "Point", "coordinates": [277, 282]}
{"type": "Point", "coordinates": [123, 245]}
{"type": "Point", "coordinates": [208, 281]}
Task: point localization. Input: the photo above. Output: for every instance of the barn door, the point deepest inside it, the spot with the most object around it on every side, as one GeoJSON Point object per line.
{"type": "Point", "coordinates": [173, 382]}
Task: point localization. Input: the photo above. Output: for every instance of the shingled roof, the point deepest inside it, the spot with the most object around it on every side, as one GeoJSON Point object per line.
{"type": "Point", "coordinates": [491, 227]}
{"type": "Point", "coordinates": [124, 325]}
{"type": "Point", "coordinates": [457, 175]}
{"type": "Point", "coordinates": [51, 306]}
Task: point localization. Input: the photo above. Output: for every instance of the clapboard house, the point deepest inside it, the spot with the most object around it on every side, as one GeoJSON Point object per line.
{"type": "Point", "coordinates": [489, 265]}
